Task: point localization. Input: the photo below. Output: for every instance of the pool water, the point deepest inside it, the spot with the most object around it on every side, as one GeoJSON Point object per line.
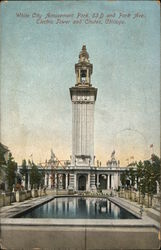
{"type": "Point", "coordinates": [79, 208]}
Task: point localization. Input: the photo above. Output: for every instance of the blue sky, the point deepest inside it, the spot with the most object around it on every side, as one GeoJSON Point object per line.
{"type": "Point", "coordinates": [37, 70]}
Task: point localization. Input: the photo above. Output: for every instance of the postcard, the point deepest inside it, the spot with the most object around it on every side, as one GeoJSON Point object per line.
{"type": "Point", "coordinates": [80, 125]}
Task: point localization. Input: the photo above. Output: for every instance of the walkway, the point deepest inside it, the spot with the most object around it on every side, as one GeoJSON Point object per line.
{"type": "Point", "coordinates": [16, 207]}
{"type": "Point", "coordinates": [149, 214]}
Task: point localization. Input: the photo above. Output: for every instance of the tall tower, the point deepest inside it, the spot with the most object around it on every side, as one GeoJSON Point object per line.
{"type": "Point", "coordinates": [83, 97]}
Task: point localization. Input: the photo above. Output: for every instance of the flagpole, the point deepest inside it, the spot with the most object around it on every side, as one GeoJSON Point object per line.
{"type": "Point", "coordinates": [31, 156]}
{"type": "Point", "coordinates": [152, 149]}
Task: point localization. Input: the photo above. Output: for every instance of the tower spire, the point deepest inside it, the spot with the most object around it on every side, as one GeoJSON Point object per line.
{"type": "Point", "coordinates": [83, 69]}
{"type": "Point", "coordinates": [83, 55]}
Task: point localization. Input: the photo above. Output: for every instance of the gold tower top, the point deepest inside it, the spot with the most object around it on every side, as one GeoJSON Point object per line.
{"type": "Point", "coordinates": [83, 55]}
{"type": "Point", "coordinates": [83, 69]}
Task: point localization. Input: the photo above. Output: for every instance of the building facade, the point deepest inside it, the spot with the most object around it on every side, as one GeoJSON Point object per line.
{"type": "Point", "coordinates": [82, 173]}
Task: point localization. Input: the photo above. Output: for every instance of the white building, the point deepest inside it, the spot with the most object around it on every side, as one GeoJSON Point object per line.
{"type": "Point", "coordinates": [82, 173]}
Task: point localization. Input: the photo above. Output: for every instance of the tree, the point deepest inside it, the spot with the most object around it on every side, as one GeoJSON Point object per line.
{"type": "Point", "coordinates": [24, 171]}
{"type": "Point", "coordinates": [149, 179]}
{"type": "Point", "coordinates": [131, 175]}
{"type": "Point", "coordinates": [148, 174]}
{"type": "Point", "coordinates": [139, 172]}
{"type": "Point", "coordinates": [2, 159]}
{"type": "Point", "coordinates": [2, 169]}
{"type": "Point", "coordinates": [139, 176]}
{"type": "Point", "coordinates": [11, 172]}
{"type": "Point", "coordinates": [123, 179]}
{"type": "Point", "coordinates": [156, 164]}
{"type": "Point", "coordinates": [36, 178]}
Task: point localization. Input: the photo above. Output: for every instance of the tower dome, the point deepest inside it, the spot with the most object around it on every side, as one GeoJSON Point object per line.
{"type": "Point", "coordinates": [83, 55]}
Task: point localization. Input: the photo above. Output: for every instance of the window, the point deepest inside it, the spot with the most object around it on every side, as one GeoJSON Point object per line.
{"type": "Point", "coordinates": [83, 75]}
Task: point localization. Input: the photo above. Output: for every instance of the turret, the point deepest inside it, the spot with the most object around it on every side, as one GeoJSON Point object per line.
{"type": "Point", "coordinates": [83, 69]}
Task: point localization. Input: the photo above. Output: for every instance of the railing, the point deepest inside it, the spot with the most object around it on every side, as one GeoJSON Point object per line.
{"type": "Point", "coordinates": [17, 196]}
{"type": "Point", "coordinates": [147, 200]}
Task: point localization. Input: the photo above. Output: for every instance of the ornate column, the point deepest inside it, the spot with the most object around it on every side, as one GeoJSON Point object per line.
{"type": "Point", "coordinates": [46, 179]}
{"type": "Point", "coordinates": [116, 180]}
{"type": "Point", "coordinates": [97, 180]}
{"type": "Point", "coordinates": [92, 182]}
{"type": "Point", "coordinates": [49, 180]}
{"type": "Point", "coordinates": [75, 182]}
{"type": "Point", "coordinates": [66, 181]}
{"type": "Point", "coordinates": [28, 185]}
{"type": "Point", "coordinates": [88, 183]}
{"type": "Point", "coordinates": [56, 181]}
{"type": "Point", "coordinates": [60, 186]}
{"type": "Point", "coordinates": [108, 182]}
{"type": "Point", "coordinates": [71, 181]}
{"type": "Point", "coordinates": [112, 182]}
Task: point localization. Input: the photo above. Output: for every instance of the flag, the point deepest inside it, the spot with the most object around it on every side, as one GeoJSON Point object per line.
{"type": "Point", "coordinates": [113, 153]}
{"type": "Point", "coordinates": [151, 146]}
{"type": "Point", "coordinates": [52, 154]}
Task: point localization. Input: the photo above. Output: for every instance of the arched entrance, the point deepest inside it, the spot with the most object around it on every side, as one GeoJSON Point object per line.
{"type": "Point", "coordinates": [103, 181]}
{"type": "Point", "coordinates": [63, 181]}
{"type": "Point", "coordinates": [82, 183]}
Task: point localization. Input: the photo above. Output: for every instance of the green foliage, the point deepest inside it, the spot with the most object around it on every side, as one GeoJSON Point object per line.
{"type": "Point", "coordinates": [147, 175]}
{"type": "Point", "coordinates": [123, 178]}
{"type": "Point", "coordinates": [11, 171]}
{"type": "Point", "coordinates": [156, 164]}
{"type": "Point", "coordinates": [2, 159]}
{"type": "Point", "coordinates": [139, 172]}
{"type": "Point", "coordinates": [149, 179]}
{"type": "Point", "coordinates": [2, 163]}
{"type": "Point", "coordinates": [24, 171]}
{"type": "Point", "coordinates": [132, 177]}
{"type": "Point", "coordinates": [36, 178]}
{"type": "Point", "coordinates": [128, 178]}
{"type": "Point", "coordinates": [24, 168]}
{"type": "Point", "coordinates": [140, 177]}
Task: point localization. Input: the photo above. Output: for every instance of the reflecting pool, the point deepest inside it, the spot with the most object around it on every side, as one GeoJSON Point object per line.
{"type": "Point", "coordinates": [79, 208]}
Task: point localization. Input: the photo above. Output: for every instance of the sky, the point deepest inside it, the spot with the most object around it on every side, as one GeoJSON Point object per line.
{"type": "Point", "coordinates": [37, 70]}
